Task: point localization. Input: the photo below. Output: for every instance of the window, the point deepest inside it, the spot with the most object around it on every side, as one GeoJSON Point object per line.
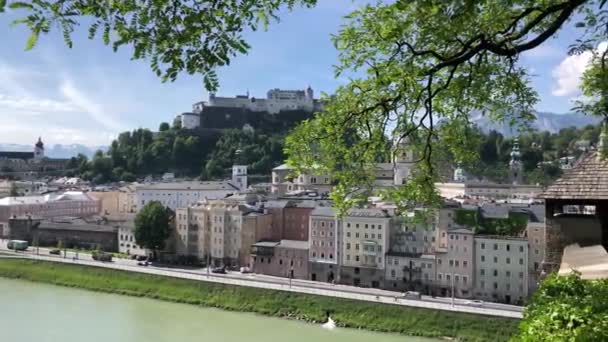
{"type": "Point", "coordinates": [356, 235]}
{"type": "Point", "coordinates": [521, 261]}
{"type": "Point", "coordinates": [521, 249]}
{"type": "Point", "coordinates": [366, 235]}
{"type": "Point", "coordinates": [373, 236]}
{"type": "Point", "coordinates": [456, 237]}
{"type": "Point", "coordinates": [379, 236]}
{"type": "Point", "coordinates": [465, 239]}
{"type": "Point", "coordinates": [483, 258]}
{"type": "Point", "coordinates": [347, 256]}
{"type": "Point", "coordinates": [456, 263]}
{"type": "Point", "coordinates": [495, 259]}
{"type": "Point", "coordinates": [322, 255]}
{"type": "Point", "coordinates": [495, 247]}
{"type": "Point", "coordinates": [496, 273]}
{"type": "Point", "coordinates": [482, 271]}
{"type": "Point", "coordinates": [495, 286]}
{"type": "Point", "coordinates": [451, 262]}
{"type": "Point", "coordinates": [348, 245]}
{"type": "Point", "coordinates": [508, 286]}
{"type": "Point", "coordinates": [393, 273]}
{"type": "Point", "coordinates": [439, 276]}
{"type": "Point", "coordinates": [357, 246]}
{"type": "Point", "coordinates": [482, 284]}
{"type": "Point", "coordinates": [366, 226]}
{"type": "Point", "coordinates": [448, 277]}
{"type": "Point", "coordinates": [536, 266]}
{"type": "Point", "coordinates": [348, 225]}
{"type": "Point", "coordinates": [536, 251]}
{"type": "Point", "coordinates": [483, 246]}
{"type": "Point", "coordinates": [508, 273]}
{"type": "Point", "coordinates": [331, 256]}
{"type": "Point", "coordinates": [508, 247]}
{"type": "Point", "coordinates": [396, 261]}
{"type": "Point", "coordinates": [356, 258]}
{"type": "Point", "coordinates": [465, 263]}
{"type": "Point", "coordinates": [347, 234]}
{"type": "Point", "coordinates": [451, 237]}
{"type": "Point", "coordinates": [521, 275]}
{"type": "Point", "coordinates": [356, 225]}
{"type": "Point", "coordinates": [314, 255]}
{"type": "Point", "coordinates": [508, 260]}
{"type": "Point", "coordinates": [438, 261]}
{"type": "Point", "coordinates": [456, 278]}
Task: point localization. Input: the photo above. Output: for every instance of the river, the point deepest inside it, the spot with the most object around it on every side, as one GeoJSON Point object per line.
{"type": "Point", "coordinates": [41, 313]}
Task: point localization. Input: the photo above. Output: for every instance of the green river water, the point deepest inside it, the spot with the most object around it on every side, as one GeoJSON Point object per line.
{"type": "Point", "coordinates": [34, 312]}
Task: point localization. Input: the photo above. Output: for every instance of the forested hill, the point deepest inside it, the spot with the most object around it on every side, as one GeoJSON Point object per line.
{"type": "Point", "coordinates": [208, 152]}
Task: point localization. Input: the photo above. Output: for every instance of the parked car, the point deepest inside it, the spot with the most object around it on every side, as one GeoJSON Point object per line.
{"type": "Point", "coordinates": [17, 245]}
{"type": "Point", "coordinates": [55, 251]}
{"type": "Point", "coordinates": [143, 263]}
{"type": "Point", "coordinates": [245, 270]}
{"type": "Point", "coordinates": [141, 258]}
{"type": "Point", "coordinates": [220, 270]}
{"type": "Point", "coordinates": [412, 295]}
{"type": "Point", "coordinates": [102, 256]}
{"type": "Point", "coordinates": [475, 302]}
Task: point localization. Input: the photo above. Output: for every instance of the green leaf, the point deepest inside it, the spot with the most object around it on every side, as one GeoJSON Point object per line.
{"type": "Point", "coordinates": [20, 5]}
{"type": "Point", "coordinates": [2, 5]}
{"type": "Point", "coordinates": [31, 41]}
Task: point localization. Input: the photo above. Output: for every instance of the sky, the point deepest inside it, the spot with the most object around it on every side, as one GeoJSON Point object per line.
{"type": "Point", "coordinates": [88, 94]}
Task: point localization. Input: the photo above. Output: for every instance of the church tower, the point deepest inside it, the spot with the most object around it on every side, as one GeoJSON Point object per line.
{"type": "Point", "coordinates": [460, 175]}
{"type": "Point", "coordinates": [516, 169]}
{"type": "Point", "coordinates": [39, 150]}
{"type": "Point", "coordinates": [239, 172]}
{"type": "Point", "coordinates": [403, 160]}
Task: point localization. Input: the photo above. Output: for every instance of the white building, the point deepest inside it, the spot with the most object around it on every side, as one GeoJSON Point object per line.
{"type": "Point", "coordinates": [365, 241]}
{"type": "Point", "coordinates": [488, 190]}
{"type": "Point", "coordinates": [501, 269]}
{"type": "Point", "coordinates": [182, 194]}
{"type": "Point", "coordinates": [239, 176]}
{"type": "Point", "coordinates": [190, 120]}
{"type": "Point", "coordinates": [221, 231]}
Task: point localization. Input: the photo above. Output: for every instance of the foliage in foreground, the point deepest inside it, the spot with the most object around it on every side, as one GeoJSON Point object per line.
{"type": "Point", "coordinates": [567, 308]}
{"type": "Point", "coordinates": [347, 313]}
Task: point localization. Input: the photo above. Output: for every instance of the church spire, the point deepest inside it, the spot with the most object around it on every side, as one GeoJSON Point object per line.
{"type": "Point", "coordinates": [515, 165]}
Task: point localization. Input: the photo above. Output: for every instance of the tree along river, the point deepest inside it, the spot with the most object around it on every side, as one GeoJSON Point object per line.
{"type": "Point", "coordinates": [40, 313]}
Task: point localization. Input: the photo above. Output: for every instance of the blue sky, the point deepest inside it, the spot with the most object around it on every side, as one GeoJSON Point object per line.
{"type": "Point", "coordinates": [88, 94]}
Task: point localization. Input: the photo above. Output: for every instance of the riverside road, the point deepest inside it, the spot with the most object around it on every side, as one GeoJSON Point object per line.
{"type": "Point", "coordinates": [277, 283]}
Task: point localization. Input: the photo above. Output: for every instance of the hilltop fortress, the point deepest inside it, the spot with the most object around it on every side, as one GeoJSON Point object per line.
{"type": "Point", "coordinates": [236, 112]}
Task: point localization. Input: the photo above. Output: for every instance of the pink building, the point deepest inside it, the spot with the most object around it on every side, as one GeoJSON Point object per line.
{"type": "Point", "coordinates": [323, 244]}
{"type": "Point", "coordinates": [68, 204]}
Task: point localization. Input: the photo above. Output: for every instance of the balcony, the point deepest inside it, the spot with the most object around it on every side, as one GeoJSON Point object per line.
{"type": "Point", "coordinates": [370, 248]}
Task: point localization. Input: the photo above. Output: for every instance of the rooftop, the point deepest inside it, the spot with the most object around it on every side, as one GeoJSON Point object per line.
{"type": "Point", "coordinates": [588, 179]}
{"type": "Point", "coordinates": [283, 167]}
{"type": "Point", "coordinates": [368, 213]}
{"type": "Point", "coordinates": [293, 244]}
{"type": "Point", "coordinates": [66, 196]}
{"type": "Point", "coordinates": [219, 185]}
{"type": "Point", "coordinates": [324, 211]}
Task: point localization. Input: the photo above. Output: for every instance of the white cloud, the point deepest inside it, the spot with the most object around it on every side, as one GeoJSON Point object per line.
{"type": "Point", "coordinates": [95, 110]}
{"type": "Point", "coordinates": [567, 75]}
{"type": "Point", "coordinates": [34, 105]}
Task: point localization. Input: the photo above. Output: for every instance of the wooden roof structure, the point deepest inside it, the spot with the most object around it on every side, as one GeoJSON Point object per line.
{"type": "Point", "coordinates": [587, 180]}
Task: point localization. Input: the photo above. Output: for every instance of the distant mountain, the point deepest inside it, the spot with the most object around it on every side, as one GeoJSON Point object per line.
{"type": "Point", "coordinates": [57, 151]}
{"type": "Point", "coordinates": [550, 122]}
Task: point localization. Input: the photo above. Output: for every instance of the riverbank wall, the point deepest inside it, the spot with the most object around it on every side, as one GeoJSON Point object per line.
{"type": "Point", "coordinates": [310, 308]}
